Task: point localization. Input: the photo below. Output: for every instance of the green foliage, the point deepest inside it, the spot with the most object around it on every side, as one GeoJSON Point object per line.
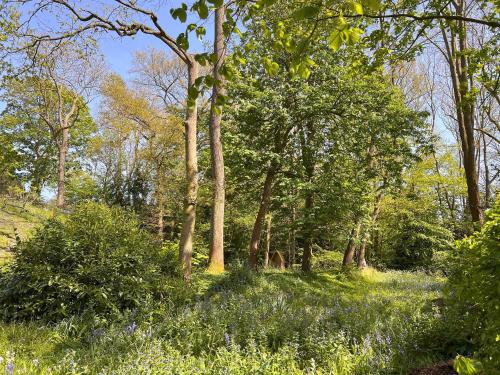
{"type": "Point", "coordinates": [467, 366]}
{"type": "Point", "coordinates": [241, 323]}
{"type": "Point", "coordinates": [417, 241]}
{"type": "Point", "coordinates": [94, 259]}
{"type": "Point", "coordinates": [473, 293]}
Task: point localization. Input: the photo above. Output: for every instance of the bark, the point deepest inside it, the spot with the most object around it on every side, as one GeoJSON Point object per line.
{"type": "Point", "coordinates": [459, 71]}
{"type": "Point", "coordinates": [259, 221]}
{"type": "Point", "coordinates": [291, 259]}
{"type": "Point", "coordinates": [216, 255]}
{"type": "Point", "coordinates": [351, 245]}
{"type": "Point", "coordinates": [373, 219]}
{"type": "Point", "coordinates": [191, 162]}
{"type": "Point", "coordinates": [268, 242]}
{"type": "Point", "coordinates": [308, 242]}
{"type": "Point", "coordinates": [61, 168]}
{"type": "Point", "coordinates": [161, 222]}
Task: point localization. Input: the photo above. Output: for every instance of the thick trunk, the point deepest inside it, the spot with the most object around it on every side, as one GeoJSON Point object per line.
{"type": "Point", "coordinates": [259, 220]}
{"type": "Point", "coordinates": [307, 257]}
{"type": "Point", "coordinates": [61, 168]}
{"type": "Point", "coordinates": [268, 242]}
{"type": "Point", "coordinates": [216, 255]}
{"type": "Point", "coordinates": [191, 163]}
{"type": "Point", "coordinates": [351, 245]}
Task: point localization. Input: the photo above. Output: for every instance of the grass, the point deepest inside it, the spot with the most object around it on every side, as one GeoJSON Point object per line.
{"type": "Point", "coordinates": [18, 219]}
{"type": "Point", "coordinates": [240, 323]}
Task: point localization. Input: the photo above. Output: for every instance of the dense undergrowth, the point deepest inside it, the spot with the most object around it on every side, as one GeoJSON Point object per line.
{"type": "Point", "coordinates": [273, 322]}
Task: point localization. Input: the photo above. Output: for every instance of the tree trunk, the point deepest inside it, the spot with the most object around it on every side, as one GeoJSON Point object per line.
{"type": "Point", "coordinates": [366, 236]}
{"type": "Point", "coordinates": [259, 220]}
{"type": "Point", "coordinates": [307, 256]}
{"type": "Point", "coordinates": [459, 71]}
{"type": "Point", "coordinates": [268, 242]}
{"type": "Point", "coordinates": [351, 245]}
{"type": "Point", "coordinates": [61, 168]}
{"type": "Point", "coordinates": [161, 222]}
{"type": "Point", "coordinates": [293, 242]}
{"type": "Point", "coordinates": [191, 162]}
{"type": "Point", "coordinates": [216, 255]}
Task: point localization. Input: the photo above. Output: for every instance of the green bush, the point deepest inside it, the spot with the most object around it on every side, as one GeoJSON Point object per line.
{"type": "Point", "coordinates": [416, 243]}
{"type": "Point", "coordinates": [96, 259]}
{"type": "Point", "coordinates": [473, 293]}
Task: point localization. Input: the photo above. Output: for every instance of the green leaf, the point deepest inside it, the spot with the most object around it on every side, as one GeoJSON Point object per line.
{"type": "Point", "coordinates": [200, 32]}
{"type": "Point", "coordinates": [466, 366]}
{"type": "Point", "coordinates": [182, 41]}
{"type": "Point", "coordinates": [201, 8]}
{"type": "Point", "coordinates": [216, 3]}
{"type": "Point", "coordinates": [374, 5]}
{"type": "Point", "coordinates": [356, 7]}
{"type": "Point", "coordinates": [180, 13]}
{"type": "Point", "coordinates": [306, 12]}
{"type": "Point", "coordinates": [271, 67]}
{"type": "Point", "coordinates": [335, 40]}
{"type": "Point", "coordinates": [353, 35]}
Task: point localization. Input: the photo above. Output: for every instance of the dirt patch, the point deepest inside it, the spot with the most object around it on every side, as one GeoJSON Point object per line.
{"type": "Point", "coordinates": [441, 368]}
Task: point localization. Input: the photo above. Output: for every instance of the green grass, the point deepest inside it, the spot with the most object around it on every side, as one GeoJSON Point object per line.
{"type": "Point", "coordinates": [17, 218]}
{"type": "Point", "coordinates": [241, 323]}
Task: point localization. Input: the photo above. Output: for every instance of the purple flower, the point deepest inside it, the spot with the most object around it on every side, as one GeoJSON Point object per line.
{"type": "Point", "coordinates": [10, 368]}
{"type": "Point", "coordinates": [379, 338]}
{"type": "Point", "coordinates": [228, 340]}
{"type": "Point", "coordinates": [131, 328]}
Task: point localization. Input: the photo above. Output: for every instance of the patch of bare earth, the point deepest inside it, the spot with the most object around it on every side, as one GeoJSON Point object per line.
{"type": "Point", "coordinates": [441, 368]}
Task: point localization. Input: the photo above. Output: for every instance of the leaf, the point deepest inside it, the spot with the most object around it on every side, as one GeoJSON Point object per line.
{"type": "Point", "coordinates": [374, 5]}
{"type": "Point", "coordinates": [356, 7]}
{"type": "Point", "coordinates": [466, 366]}
{"type": "Point", "coordinates": [179, 13]}
{"type": "Point", "coordinates": [200, 32]}
{"type": "Point", "coordinates": [335, 40]}
{"type": "Point", "coordinates": [216, 3]}
{"type": "Point", "coordinates": [182, 41]}
{"type": "Point", "coordinates": [354, 35]}
{"type": "Point", "coordinates": [306, 12]}
{"type": "Point", "coordinates": [201, 8]}
{"type": "Point", "coordinates": [270, 66]}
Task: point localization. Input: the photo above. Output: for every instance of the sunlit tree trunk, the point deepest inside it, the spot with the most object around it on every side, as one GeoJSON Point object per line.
{"type": "Point", "coordinates": [351, 245]}
{"type": "Point", "coordinates": [191, 162]}
{"type": "Point", "coordinates": [61, 167]}
{"type": "Point", "coordinates": [216, 255]}
{"type": "Point", "coordinates": [259, 220]}
{"type": "Point", "coordinates": [268, 241]}
{"type": "Point", "coordinates": [366, 236]}
{"type": "Point", "coordinates": [308, 242]}
{"type": "Point", "coordinates": [456, 48]}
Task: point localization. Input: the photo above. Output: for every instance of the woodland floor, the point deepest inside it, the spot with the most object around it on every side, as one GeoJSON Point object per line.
{"type": "Point", "coordinates": [240, 323]}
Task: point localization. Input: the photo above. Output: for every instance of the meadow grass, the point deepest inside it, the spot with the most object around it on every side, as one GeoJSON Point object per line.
{"type": "Point", "coordinates": [239, 323]}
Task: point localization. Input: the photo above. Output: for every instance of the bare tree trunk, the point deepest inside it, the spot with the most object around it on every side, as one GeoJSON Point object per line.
{"type": "Point", "coordinates": [268, 242]}
{"type": "Point", "coordinates": [487, 182]}
{"type": "Point", "coordinates": [161, 222]}
{"type": "Point", "coordinates": [459, 71]}
{"type": "Point", "coordinates": [351, 245]}
{"type": "Point", "coordinates": [191, 162]}
{"type": "Point", "coordinates": [216, 255]}
{"type": "Point", "coordinates": [366, 236]}
{"type": "Point", "coordinates": [293, 242]}
{"type": "Point", "coordinates": [307, 256]}
{"type": "Point", "coordinates": [259, 220]}
{"type": "Point", "coordinates": [61, 168]}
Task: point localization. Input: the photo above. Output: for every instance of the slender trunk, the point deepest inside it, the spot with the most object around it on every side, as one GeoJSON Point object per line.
{"type": "Point", "coordinates": [61, 168]}
{"type": "Point", "coordinates": [259, 220]}
{"type": "Point", "coordinates": [351, 245]}
{"type": "Point", "coordinates": [307, 257]}
{"type": "Point", "coordinates": [268, 242]}
{"type": "Point", "coordinates": [293, 242]}
{"type": "Point", "coordinates": [362, 249]}
{"type": "Point", "coordinates": [459, 71]}
{"type": "Point", "coordinates": [191, 162]}
{"type": "Point", "coordinates": [487, 188]}
{"type": "Point", "coordinates": [161, 222]}
{"type": "Point", "coordinates": [216, 255]}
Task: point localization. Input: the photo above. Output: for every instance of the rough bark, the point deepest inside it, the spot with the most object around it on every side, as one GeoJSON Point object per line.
{"type": "Point", "coordinates": [351, 245]}
{"type": "Point", "coordinates": [456, 48]}
{"type": "Point", "coordinates": [191, 163]}
{"type": "Point", "coordinates": [261, 214]}
{"type": "Point", "coordinates": [161, 222]}
{"type": "Point", "coordinates": [61, 167]}
{"type": "Point", "coordinates": [268, 242]}
{"type": "Point", "coordinates": [308, 241]}
{"type": "Point", "coordinates": [216, 255]}
{"type": "Point", "coordinates": [373, 219]}
{"type": "Point", "coordinates": [293, 244]}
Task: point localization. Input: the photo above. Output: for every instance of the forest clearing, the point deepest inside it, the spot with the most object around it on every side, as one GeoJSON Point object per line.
{"type": "Point", "coordinates": [250, 187]}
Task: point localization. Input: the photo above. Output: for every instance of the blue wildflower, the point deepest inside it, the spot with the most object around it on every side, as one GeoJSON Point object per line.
{"type": "Point", "coordinates": [131, 328]}
{"type": "Point", "coordinates": [227, 338]}
{"type": "Point", "coordinates": [10, 368]}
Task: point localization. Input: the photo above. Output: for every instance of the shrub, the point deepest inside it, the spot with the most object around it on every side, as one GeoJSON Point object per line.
{"type": "Point", "coordinates": [473, 292]}
{"type": "Point", "coordinates": [416, 243]}
{"type": "Point", "coordinates": [96, 258]}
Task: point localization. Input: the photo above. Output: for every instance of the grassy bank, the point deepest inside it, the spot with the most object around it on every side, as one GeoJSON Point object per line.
{"type": "Point", "coordinates": [239, 323]}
